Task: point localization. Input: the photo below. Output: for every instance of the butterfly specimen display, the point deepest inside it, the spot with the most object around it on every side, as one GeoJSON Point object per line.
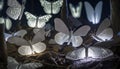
{"type": "Point", "coordinates": [93, 15]}
{"type": "Point", "coordinates": [55, 33]}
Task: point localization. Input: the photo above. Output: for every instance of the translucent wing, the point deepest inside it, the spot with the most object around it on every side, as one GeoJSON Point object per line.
{"type": "Point", "coordinates": [39, 47]}
{"type": "Point", "coordinates": [8, 24]}
{"type": "Point", "coordinates": [46, 6]}
{"type": "Point", "coordinates": [39, 36]}
{"type": "Point", "coordinates": [31, 65]}
{"type": "Point", "coordinates": [1, 4]}
{"type": "Point", "coordinates": [76, 41]}
{"type": "Point", "coordinates": [105, 24]}
{"type": "Point", "coordinates": [42, 21]}
{"type": "Point", "coordinates": [76, 12]}
{"type": "Point", "coordinates": [20, 33]}
{"type": "Point", "coordinates": [106, 34]}
{"type": "Point", "coordinates": [14, 9]}
{"type": "Point", "coordinates": [56, 6]}
{"type": "Point", "coordinates": [89, 11]}
{"type": "Point", "coordinates": [98, 11]}
{"type": "Point", "coordinates": [60, 38]}
{"type": "Point", "coordinates": [25, 50]}
{"type": "Point", "coordinates": [76, 54]}
{"type": "Point", "coordinates": [32, 20]}
{"type": "Point", "coordinates": [60, 26]}
{"type": "Point", "coordinates": [82, 31]}
{"type": "Point", "coordinates": [17, 41]}
{"type": "Point", "coordinates": [12, 63]}
{"type": "Point", "coordinates": [97, 52]}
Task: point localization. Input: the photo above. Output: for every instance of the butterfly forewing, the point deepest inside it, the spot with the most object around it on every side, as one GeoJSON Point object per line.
{"type": "Point", "coordinates": [20, 33]}
{"type": "Point", "coordinates": [82, 31]}
{"type": "Point", "coordinates": [60, 26]}
{"type": "Point", "coordinates": [8, 24]}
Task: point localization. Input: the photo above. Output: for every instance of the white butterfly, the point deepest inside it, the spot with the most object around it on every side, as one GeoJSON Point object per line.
{"type": "Point", "coordinates": [29, 47]}
{"type": "Point", "coordinates": [1, 4]}
{"type": "Point", "coordinates": [76, 12]}
{"type": "Point", "coordinates": [104, 33]}
{"type": "Point", "coordinates": [93, 52]}
{"type": "Point", "coordinates": [13, 64]}
{"type": "Point", "coordinates": [19, 33]}
{"type": "Point", "coordinates": [66, 35]}
{"type": "Point", "coordinates": [37, 22]}
{"type": "Point", "coordinates": [94, 15]}
{"type": "Point", "coordinates": [15, 9]}
{"type": "Point", "coordinates": [7, 22]}
{"type": "Point", "coordinates": [51, 7]}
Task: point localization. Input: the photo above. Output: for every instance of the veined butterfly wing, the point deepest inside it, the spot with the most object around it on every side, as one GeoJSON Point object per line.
{"type": "Point", "coordinates": [56, 6]}
{"type": "Point", "coordinates": [14, 9]}
{"type": "Point", "coordinates": [42, 21]}
{"type": "Point", "coordinates": [32, 20]}
{"type": "Point", "coordinates": [46, 6]}
{"type": "Point", "coordinates": [105, 24]}
{"type": "Point", "coordinates": [60, 26]}
{"type": "Point", "coordinates": [1, 4]}
{"type": "Point", "coordinates": [76, 12]}
{"type": "Point", "coordinates": [93, 16]}
{"type": "Point", "coordinates": [20, 33]}
{"type": "Point", "coordinates": [17, 41]}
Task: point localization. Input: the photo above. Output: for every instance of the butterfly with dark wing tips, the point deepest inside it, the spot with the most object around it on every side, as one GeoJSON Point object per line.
{"type": "Point", "coordinates": [104, 32]}
{"type": "Point", "coordinates": [29, 47]}
{"type": "Point", "coordinates": [15, 9]}
{"type": "Point", "coordinates": [37, 22]}
{"type": "Point", "coordinates": [69, 36]}
{"type": "Point", "coordinates": [51, 7]}
{"type": "Point", "coordinates": [94, 15]}
{"type": "Point", "coordinates": [93, 52]}
{"type": "Point", "coordinates": [76, 12]}
{"type": "Point", "coordinates": [13, 64]}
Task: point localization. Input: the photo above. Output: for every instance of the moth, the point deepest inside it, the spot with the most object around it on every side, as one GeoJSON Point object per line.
{"type": "Point", "coordinates": [76, 11]}
{"type": "Point", "coordinates": [94, 15]}
{"type": "Point", "coordinates": [69, 36]}
{"type": "Point", "coordinates": [19, 33]}
{"type": "Point", "coordinates": [7, 22]}
{"type": "Point", "coordinates": [37, 22]}
{"type": "Point", "coordinates": [15, 9]}
{"type": "Point", "coordinates": [13, 64]}
{"type": "Point", "coordinates": [104, 32]}
{"type": "Point", "coordinates": [92, 52]}
{"type": "Point", "coordinates": [29, 47]}
{"type": "Point", "coordinates": [51, 7]}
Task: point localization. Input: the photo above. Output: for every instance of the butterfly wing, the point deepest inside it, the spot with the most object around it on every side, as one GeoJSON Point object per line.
{"type": "Point", "coordinates": [42, 21]}
{"type": "Point", "coordinates": [98, 11]}
{"type": "Point", "coordinates": [8, 24]}
{"type": "Point", "coordinates": [17, 41]}
{"type": "Point", "coordinates": [7, 36]}
{"type": "Point", "coordinates": [31, 19]}
{"type": "Point", "coordinates": [76, 54]}
{"type": "Point", "coordinates": [60, 38]}
{"type": "Point", "coordinates": [89, 12]}
{"type": "Point", "coordinates": [76, 12]}
{"type": "Point", "coordinates": [97, 52]}
{"type": "Point", "coordinates": [105, 24]}
{"type": "Point", "coordinates": [60, 26]}
{"type": "Point", "coordinates": [76, 41]}
{"type": "Point", "coordinates": [82, 31]}
{"type": "Point", "coordinates": [33, 65]}
{"type": "Point", "coordinates": [106, 34]}
{"type": "Point", "coordinates": [39, 47]}
{"type": "Point", "coordinates": [12, 63]}
{"type": "Point", "coordinates": [46, 6]}
{"type": "Point", "coordinates": [14, 9]}
{"type": "Point", "coordinates": [39, 36]}
{"type": "Point", "coordinates": [25, 50]}
{"type": "Point", "coordinates": [56, 6]}
{"type": "Point", "coordinates": [20, 33]}
{"type": "Point", "coordinates": [1, 4]}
